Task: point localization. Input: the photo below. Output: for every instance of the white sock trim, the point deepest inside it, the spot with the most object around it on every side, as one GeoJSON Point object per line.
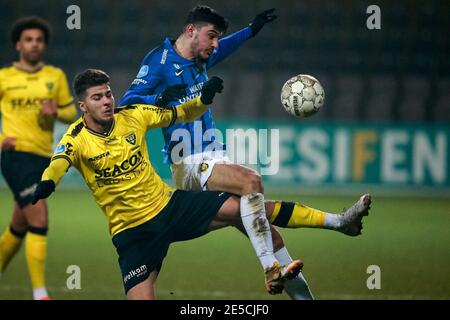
{"type": "Point", "coordinates": [39, 293]}
{"type": "Point", "coordinates": [283, 256]}
{"type": "Point", "coordinates": [332, 221]}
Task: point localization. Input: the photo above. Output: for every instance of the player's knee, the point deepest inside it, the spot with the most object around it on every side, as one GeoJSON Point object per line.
{"type": "Point", "coordinates": [38, 221]}
{"type": "Point", "coordinates": [253, 183]}
{"type": "Point", "coordinates": [19, 226]}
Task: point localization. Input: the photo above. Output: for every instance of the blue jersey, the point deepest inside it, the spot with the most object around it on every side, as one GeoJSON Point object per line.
{"type": "Point", "coordinates": [163, 67]}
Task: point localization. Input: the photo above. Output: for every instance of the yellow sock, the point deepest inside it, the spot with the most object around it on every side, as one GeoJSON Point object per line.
{"type": "Point", "coordinates": [10, 242]}
{"type": "Point", "coordinates": [295, 215]}
{"type": "Point", "coordinates": [36, 250]}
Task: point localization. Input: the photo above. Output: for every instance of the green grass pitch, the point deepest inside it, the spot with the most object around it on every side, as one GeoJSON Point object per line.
{"type": "Point", "coordinates": [407, 238]}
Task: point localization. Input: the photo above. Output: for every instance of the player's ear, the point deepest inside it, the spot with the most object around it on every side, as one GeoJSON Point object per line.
{"type": "Point", "coordinates": [190, 28]}
{"type": "Point", "coordinates": [18, 46]}
{"type": "Point", "coordinates": [82, 106]}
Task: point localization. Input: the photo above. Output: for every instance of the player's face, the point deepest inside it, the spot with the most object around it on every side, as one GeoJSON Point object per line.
{"type": "Point", "coordinates": [205, 40]}
{"type": "Point", "coordinates": [98, 104]}
{"type": "Point", "coordinates": [31, 45]}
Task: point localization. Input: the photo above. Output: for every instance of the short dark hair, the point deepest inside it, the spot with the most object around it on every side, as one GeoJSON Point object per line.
{"type": "Point", "coordinates": [87, 79]}
{"type": "Point", "coordinates": [204, 14]}
{"type": "Point", "coordinates": [32, 22]}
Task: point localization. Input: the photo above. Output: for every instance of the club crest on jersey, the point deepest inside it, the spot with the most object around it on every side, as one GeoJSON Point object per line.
{"type": "Point", "coordinates": [131, 138]}
{"type": "Point", "coordinates": [49, 86]}
{"type": "Point", "coordinates": [203, 167]}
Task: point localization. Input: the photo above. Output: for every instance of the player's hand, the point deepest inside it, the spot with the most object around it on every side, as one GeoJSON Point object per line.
{"type": "Point", "coordinates": [170, 94]}
{"type": "Point", "coordinates": [43, 190]}
{"type": "Point", "coordinates": [210, 88]}
{"type": "Point", "coordinates": [261, 19]}
{"type": "Point", "coordinates": [9, 144]}
{"type": "Point", "coordinates": [49, 108]}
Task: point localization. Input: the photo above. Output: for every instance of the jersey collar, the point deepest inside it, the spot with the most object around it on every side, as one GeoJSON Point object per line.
{"type": "Point", "coordinates": [26, 71]}
{"type": "Point", "coordinates": [99, 134]}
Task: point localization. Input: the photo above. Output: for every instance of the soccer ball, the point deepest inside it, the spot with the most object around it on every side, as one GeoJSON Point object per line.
{"type": "Point", "coordinates": [302, 96]}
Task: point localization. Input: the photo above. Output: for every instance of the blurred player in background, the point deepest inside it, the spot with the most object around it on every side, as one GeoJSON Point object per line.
{"type": "Point", "coordinates": [145, 214]}
{"type": "Point", "coordinates": [186, 61]}
{"type": "Point", "coordinates": [33, 95]}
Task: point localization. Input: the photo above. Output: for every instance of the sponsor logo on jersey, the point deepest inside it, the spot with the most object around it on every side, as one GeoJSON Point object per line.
{"type": "Point", "coordinates": [178, 73]}
{"type": "Point", "coordinates": [139, 271]}
{"type": "Point", "coordinates": [143, 71]}
{"type": "Point", "coordinates": [156, 109]}
{"type": "Point", "coordinates": [164, 56]}
{"type": "Point", "coordinates": [125, 166]}
{"type": "Point", "coordinates": [16, 88]}
{"type": "Point", "coordinates": [131, 138]}
{"type": "Point", "coordinates": [189, 97]}
{"type": "Point", "coordinates": [139, 81]}
{"type": "Point", "coordinates": [98, 157]}
{"type": "Point", "coordinates": [196, 87]}
{"type": "Point", "coordinates": [26, 102]}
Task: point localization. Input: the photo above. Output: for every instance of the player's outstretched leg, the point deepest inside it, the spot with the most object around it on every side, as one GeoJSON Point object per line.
{"type": "Point", "coordinates": [296, 215]}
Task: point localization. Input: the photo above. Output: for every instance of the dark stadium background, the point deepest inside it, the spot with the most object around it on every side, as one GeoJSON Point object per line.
{"type": "Point", "coordinates": [398, 77]}
{"type": "Point", "coordinates": [402, 69]}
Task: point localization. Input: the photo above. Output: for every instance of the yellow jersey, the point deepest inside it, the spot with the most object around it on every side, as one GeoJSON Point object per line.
{"type": "Point", "coordinates": [116, 165]}
{"type": "Point", "coordinates": [21, 94]}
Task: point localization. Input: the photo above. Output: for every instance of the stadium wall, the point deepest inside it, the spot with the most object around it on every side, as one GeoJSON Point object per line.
{"type": "Point", "coordinates": [327, 157]}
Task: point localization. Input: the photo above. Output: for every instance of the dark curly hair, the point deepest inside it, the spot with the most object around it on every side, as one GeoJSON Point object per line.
{"type": "Point", "coordinates": [202, 14]}
{"type": "Point", "coordinates": [30, 23]}
{"type": "Point", "coordinates": [87, 79]}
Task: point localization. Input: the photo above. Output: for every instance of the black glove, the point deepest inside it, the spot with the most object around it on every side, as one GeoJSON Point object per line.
{"type": "Point", "coordinates": [43, 190]}
{"type": "Point", "coordinates": [210, 88]}
{"type": "Point", "coordinates": [261, 19]}
{"type": "Point", "coordinates": [172, 93]}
